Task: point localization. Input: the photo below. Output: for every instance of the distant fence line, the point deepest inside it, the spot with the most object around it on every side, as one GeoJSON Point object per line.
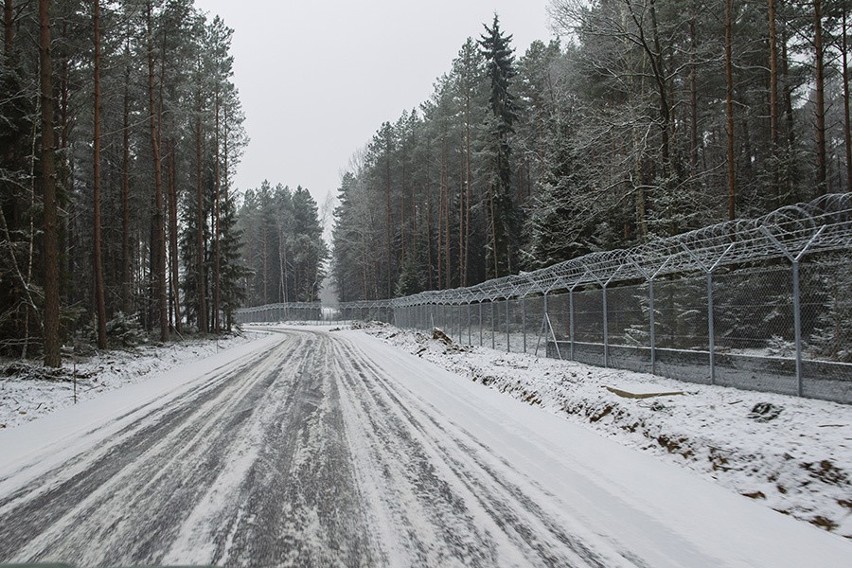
{"type": "Point", "coordinates": [762, 304]}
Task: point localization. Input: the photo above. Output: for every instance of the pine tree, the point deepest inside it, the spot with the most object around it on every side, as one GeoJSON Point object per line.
{"type": "Point", "coordinates": [52, 340]}
{"type": "Point", "coordinates": [502, 222]}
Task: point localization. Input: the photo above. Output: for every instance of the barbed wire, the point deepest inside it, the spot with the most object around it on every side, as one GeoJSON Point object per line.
{"type": "Point", "coordinates": [822, 225]}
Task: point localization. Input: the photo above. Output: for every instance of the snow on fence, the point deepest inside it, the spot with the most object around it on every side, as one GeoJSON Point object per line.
{"type": "Point", "coordinates": [762, 304]}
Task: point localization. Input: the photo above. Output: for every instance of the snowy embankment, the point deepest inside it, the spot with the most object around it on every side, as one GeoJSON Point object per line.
{"type": "Point", "coordinates": [28, 391]}
{"type": "Point", "coordinates": [793, 455]}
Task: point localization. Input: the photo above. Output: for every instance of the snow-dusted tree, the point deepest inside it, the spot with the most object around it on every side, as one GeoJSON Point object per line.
{"type": "Point", "coordinates": [502, 230]}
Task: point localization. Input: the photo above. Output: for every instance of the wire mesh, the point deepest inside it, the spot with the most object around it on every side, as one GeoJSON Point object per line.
{"type": "Point", "coordinates": [755, 303]}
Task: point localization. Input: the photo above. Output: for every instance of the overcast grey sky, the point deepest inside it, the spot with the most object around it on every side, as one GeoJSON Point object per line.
{"type": "Point", "coordinates": [317, 78]}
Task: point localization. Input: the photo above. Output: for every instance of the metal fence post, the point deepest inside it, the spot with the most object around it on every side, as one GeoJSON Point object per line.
{"type": "Point", "coordinates": [605, 329]}
{"type": "Point", "coordinates": [524, 320]}
{"type": "Point", "coordinates": [544, 317]}
{"type": "Point", "coordinates": [480, 323]}
{"type": "Point", "coordinates": [797, 325]}
{"type": "Point", "coordinates": [468, 324]}
{"type": "Point", "coordinates": [652, 328]}
{"type": "Point", "coordinates": [571, 319]}
{"type": "Point", "coordinates": [711, 330]}
{"type": "Point", "coordinates": [508, 339]}
{"type": "Point", "coordinates": [493, 332]}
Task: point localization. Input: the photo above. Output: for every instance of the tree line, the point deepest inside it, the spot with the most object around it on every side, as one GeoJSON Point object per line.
{"type": "Point", "coordinates": [121, 129]}
{"type": "Point", "coordinates": [284, 251]}
{"type": "Point", "coordinates": [646, 120]}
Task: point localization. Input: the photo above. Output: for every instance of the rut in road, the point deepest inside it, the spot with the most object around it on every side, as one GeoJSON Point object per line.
{"type": "Point", "coordinates": [309, 454]}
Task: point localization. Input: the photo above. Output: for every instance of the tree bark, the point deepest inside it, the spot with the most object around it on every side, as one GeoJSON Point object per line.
{"type": "Point", "coordinates": [819, 91]}
{"type": "Point", "coordinates": [52, 355]}
{"type": "Point", "coordinates": [693, 97]}
{"type": "Point", "coordinates": [8, 28]}
{"type": "Point", "coordinates": [658, 66]}
{"type": "Point", "coordinates": [158, 242]}
{"type": "Point", "coordinates": [100, 301]}
{"type": "Point", "coordinates": [217, 293]}
{"type": "Point", "coordinates": [173, 236]}
{"type": "Point", "coordinates": [199, 243]}
{"type": "Point", "coordinates": [388, 212]}
{"type": "Point", "coordinates": [126, 252]}
{"type": "Point", "coordinates": [773, 78]}
{"type": "Point", "coordinates": [847, 127]}
{"type": "Point", "coordinates": [729, 106]}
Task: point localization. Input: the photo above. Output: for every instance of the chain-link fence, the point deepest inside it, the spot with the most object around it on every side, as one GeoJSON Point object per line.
{"type": "Point", "coordinates": [762, 304]}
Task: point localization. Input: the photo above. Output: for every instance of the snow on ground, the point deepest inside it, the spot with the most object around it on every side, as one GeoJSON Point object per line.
{"type": "Point", "coordinates": [25, 395]}
{"type": "Point", "coordinates": [310, 447]}
{"type": "Point", "coordinates": [798, 462]}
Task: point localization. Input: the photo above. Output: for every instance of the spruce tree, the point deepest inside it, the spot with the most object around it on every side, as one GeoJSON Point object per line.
{"type": "Point", "coordinates": [502, 220]}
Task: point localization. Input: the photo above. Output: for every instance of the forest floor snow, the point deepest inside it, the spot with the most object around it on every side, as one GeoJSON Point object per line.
{"type": "Point", "coordinates": [29, 391]}
{"type": "Point", "coordinates": [792, 454]}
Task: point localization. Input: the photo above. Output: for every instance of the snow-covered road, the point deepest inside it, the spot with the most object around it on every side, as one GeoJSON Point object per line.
{"type": "Point", "coordinates": [321, 448]}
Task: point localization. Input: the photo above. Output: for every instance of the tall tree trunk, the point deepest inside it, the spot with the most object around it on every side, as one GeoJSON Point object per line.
{"type": "Point", "coordinates": [847, 127]}
{"type": "Point", "coordinates": [788, 94]}
{"type": "Point", "coordinates": [282, 263]}
{"type": "Point", "coordinates": [448, 275]}
{"type": "Point", "coordinates": [729, 106]}
{"type": "Point", "coordinates": [441, 190]}
{"type": "Point", "coordinates": [8, 28]}
{"type": "Point", "coordinates": [217, 293]}
{"type": "Point", "coordinates": [52, 355]}
{"type": "Point", "coordinates": [100, 301]}
{"type": "Point", "coordinates": [693, 97]}
{"type": "Point", "coordinates": [773, 101]}
{"type": "Point", "coordinates": [461, 220]}
{"type": "Point", "coordinates": [158, 243]}
{"type": "Point", "coordinates": [429, 219]}
{"type": "Point", "coordinates": [773, 78]}
{"type": "Point", "coordinates": [468, 189]}
{"type": "Point", "coordinates": [173, 236]}
{"type": "Point", "coordinates": [819, 90]}
{"type": "Point", "coordinates": [201, 279]}
{"type": "Point", "coordinates": [126, 251]}
{"type": "Point", "coordinates": [226, 183]}
{"type": "Point", "coordinates": [388, 216]}
{"type": "Point", "coordinates": [658, 65]}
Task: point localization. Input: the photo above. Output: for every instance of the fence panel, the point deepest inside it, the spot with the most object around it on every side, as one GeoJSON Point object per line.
{"type": "Point", "coordinates": [753, 303]}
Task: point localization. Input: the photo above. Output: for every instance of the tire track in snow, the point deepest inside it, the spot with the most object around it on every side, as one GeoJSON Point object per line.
{"type": "Point", "coordinates": [459, 493]}
{"type": "Point", "coordinates": [118, 503]}
{"type": "Point", "coordinates": [298, 502]}
{"type": "Point", "coordinates": [310, 454]}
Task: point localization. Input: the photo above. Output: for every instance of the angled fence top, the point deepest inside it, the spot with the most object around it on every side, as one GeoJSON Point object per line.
{"type": "Point", "coordinates": [823, 225]}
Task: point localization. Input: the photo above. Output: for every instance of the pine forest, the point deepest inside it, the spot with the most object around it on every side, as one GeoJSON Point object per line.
{"type": "Point", "coordinates": [647, 119]}
{"type": "Point", "coordinates": [122, 130]}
